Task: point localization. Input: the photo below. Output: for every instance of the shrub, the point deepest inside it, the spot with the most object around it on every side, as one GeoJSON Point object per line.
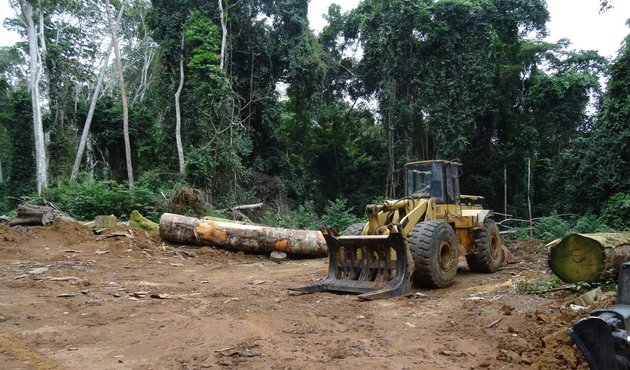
{"type": "Point", "coordinates": [87, 198]}
{"type": "Point", "coordinates": [338, 215]}
{"type": "Point", "coordinates": [556, 226]}
{"type": "Point", "coordinates": [303, 217]}
{"type": "Point", "coordinates": [552, 227]}
{"type": "Point", "coordinates": [590, 224]}
{"type": "Point", "coordinates": [616, 211]}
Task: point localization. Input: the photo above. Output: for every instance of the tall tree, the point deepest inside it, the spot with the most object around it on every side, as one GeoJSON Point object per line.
{"type": "Point", "coordinates": [123, 93]}
{"type": "Point", "coordinates": [178, 114]}
{"type": "Point", "coordinates": [83, 142]}
{"type": "Point", "coordinates": [36, 70]}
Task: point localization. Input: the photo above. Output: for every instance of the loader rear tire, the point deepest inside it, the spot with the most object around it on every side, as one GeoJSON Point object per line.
{"type": "Point", "coordinates": [489, 256]}
{"type": "Point", "coordinates": [434, 249]}
{"type": "Point", "coordinates": [354, 229]}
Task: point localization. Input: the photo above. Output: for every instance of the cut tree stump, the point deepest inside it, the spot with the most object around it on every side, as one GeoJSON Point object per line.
{"type": "Point", "coordinates": [230, 235]}
{"type": "Point", "coordinates": [28, 214]}
{"type": "Point", "coordinates": [278, 257]}
{"type": "Point", "coordinates": [589, 257]}
{"type": "Point", "coordinates": [103, 222]}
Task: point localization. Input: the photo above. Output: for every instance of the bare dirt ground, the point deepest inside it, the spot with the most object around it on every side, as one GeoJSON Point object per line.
{"type": "Point", "coordinates": [70, 299]}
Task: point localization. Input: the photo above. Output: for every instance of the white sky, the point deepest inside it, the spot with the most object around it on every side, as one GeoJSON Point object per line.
{"type": "Point", "coordinates": [576, 20]}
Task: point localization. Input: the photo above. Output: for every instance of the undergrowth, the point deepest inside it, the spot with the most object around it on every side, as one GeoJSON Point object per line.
{"type": "Point", "coordinates": [336, 214]}
{"type": "Point", "coordinates": [558, 226]}
{"type": "Point", "coordinates": [87, 198]}
{"type": "Point", "coordinates": [539, 286]}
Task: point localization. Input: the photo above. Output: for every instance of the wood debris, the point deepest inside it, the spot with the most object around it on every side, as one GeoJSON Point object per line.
{"type": "Point", "coordinates": [66, 295]}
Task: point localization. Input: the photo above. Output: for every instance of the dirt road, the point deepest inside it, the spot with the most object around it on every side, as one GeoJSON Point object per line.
{"type": "Point", "coordinates": [71, 299]}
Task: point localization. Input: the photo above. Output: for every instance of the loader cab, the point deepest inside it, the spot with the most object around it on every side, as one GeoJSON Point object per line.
{"type": "Point", "coordinates": [436, 179]}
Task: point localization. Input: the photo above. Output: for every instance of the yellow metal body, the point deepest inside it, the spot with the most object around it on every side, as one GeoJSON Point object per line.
{"type": "Point", "coordinates": [408, 212]}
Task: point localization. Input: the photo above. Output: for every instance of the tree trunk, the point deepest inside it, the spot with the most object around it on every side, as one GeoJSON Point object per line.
{"type": "Point", "coordinates": [1, 178]}
{"type": "Point", "coordinates": [505, 214]}
{"type": "Point", "coordinates": [390, 186]}
{"type": "Point", "coordinates": [178, 116]}
{"type": "Point", "coordinates": [35, 72]}
{"type": "Point", "coordinates": [123, 93]}
{"type": "Point", "coordinates": [147, 58]}
{"type": "Point", "coordinates": [89, 157]}
{"type": "Point", "coordinates": [589, 257]}
{"type": "Point", "coordinates": [231, 235]}
{"type": "Point", "coordinates": [223, 34]}
{"type": "Point", "coordinates": [529, 201]}
{"type": "Point", "coordinates": [33, 215]}
{"type": "Point", "coordinates": [88, 120]}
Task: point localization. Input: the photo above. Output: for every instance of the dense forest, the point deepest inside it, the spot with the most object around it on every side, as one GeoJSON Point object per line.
{"type": "Point", "coordinates": [108, 106]}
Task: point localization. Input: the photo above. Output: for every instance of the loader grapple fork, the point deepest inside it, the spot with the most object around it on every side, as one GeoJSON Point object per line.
{"type": "Point", "coordinates": [373, 266]}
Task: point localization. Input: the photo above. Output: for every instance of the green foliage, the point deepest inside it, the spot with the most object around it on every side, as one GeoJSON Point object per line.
{"type": "Point", "coordinates": [616, 211]}
{"type": "Point", "coordinates": [590, 223]}
{"type": "Point", "coordinates": [303, 217]}
{"type": "Point", "coordinates": [338, 215]}
{"type": "Point", "coordinates": [541, 286]}
{"type": "Point", "coordinates": [16, 128]}
{"type": "Point", "coordinates": [86, 198]}
{"type": "Point", "coordinates": [554, 226]}
{"type": "Point", "coordinates": [203, 39]}
{"type": "Point", "coordinates": [450, 79]}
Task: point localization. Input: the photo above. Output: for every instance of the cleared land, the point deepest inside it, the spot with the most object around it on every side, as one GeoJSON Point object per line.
{"type": "Point", "coordinates": [75, 300]}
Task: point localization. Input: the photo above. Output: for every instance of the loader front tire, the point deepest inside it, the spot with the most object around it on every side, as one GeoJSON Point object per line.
{"type": "Point", "coordinates": [434, 250]}
{"type": "Point", "coordinates": [354, 229]}
{"type": "Point", "coordinates": [489, 254]}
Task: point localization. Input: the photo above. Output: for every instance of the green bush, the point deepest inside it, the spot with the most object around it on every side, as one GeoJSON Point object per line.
{"type": "Point", "coordinates": [552, 227]}
{"type": "Point", "coordinates": [87, 198]}
{"type": "Point", "coordinates": [4, 204]}
{"type": "Point", "coordinates": [338, 215]}
{"type": "Point", "coordinates": [616, 211]}
{"type": "Point", "coordinates": [158, 181]}
{"type": "Point", "coordinates": [555, 226]}
{"type": "Point", "coordinates": [590, 224]}
{"type": "Point", "coordinates": [303, 217]}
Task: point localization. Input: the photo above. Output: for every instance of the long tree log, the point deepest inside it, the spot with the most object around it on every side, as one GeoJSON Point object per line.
{"type": "Point", "coordinates": [253, 238]}
{"type": "Point", "coordinates": [589, 257]}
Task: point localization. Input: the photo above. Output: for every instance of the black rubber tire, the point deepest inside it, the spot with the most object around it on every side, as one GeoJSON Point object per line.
{"type": "Point", "coordinates": [354, 229]}
{"type": "Point", "coordinates": [489, 256]}
{"type": "Point", "coordinates": [435, 254]}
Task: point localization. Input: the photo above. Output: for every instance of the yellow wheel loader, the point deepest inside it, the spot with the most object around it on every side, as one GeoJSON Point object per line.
{"type": "Point", "coordinates": [416, 238]}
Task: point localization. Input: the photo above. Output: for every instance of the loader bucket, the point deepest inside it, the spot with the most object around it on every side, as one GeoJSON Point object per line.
{"type": "Point", "coordinates": [373, 266]}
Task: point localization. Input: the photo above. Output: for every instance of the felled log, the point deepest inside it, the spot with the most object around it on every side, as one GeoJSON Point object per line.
{"type": "Point", "coordinates": [252, 238]}
{"type": "Point", "coordinates": [28, 214]}
{"type": "Point", "coordinates": [589, 257]}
